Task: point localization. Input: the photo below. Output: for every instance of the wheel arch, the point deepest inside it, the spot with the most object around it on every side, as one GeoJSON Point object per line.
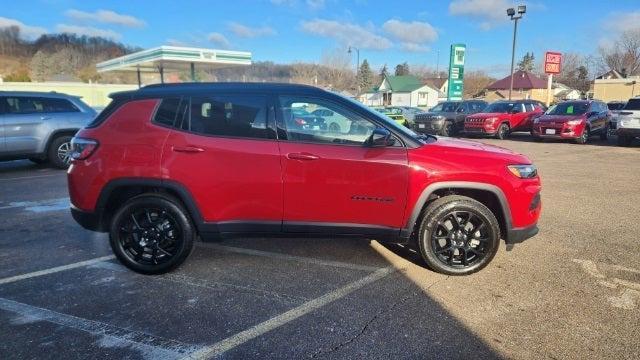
{"type": "Point", "coordinates": [118, 191]}
{"type": "Point", "coordinates": [487, 194]}
{"type": "Point", "coordinates": [55, 134]}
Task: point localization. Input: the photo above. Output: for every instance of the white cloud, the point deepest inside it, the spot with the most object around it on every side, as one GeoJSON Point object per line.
{"type": "Point", "coordinates": [315, 4]}
{"type": "Point", "coordinates": [26, 31]}
{"type": "Point", "coordinates": [486, 9]}
{"type": "Point", "coordinates": [413, 35]}
{"type": "Point", "coordinates": [250, 32]}
{"type": "Point", "coordinates": [623, 21]}
{"type": "Point", "coordinates": [413, 47]}
{"type": "Point", "coordinates": [88, 31]}
{"type": "Point", "coordinates": [106, 17]}
{"type": "Point", "coordinates": [218, 39]}
{"type": "Point", "coordinates": [347, 33]}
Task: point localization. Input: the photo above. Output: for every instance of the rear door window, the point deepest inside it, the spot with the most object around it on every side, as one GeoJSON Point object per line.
{"type": "Point", "coordinates": [167, 112]}
{"type": "Point", "coordinates": [236, 116]}
{"type": "Point", "coordinates": [633, 104]}
{"type": "Point", "coordinates": [25, 105]}
{"type": "Point", "coordinates": [58, 105]}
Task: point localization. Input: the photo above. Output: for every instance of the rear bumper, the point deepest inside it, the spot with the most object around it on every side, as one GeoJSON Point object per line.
{"type": "Point", "coordinates": [88, 220]}
{"type": "Point", "coordinates": [518, 235]}
{"type": "Point", "coordinates": [628, 131]}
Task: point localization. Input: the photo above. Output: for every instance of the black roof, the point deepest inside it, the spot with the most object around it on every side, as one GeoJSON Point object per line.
{"type": "Point", "coordinates": [179, 88]}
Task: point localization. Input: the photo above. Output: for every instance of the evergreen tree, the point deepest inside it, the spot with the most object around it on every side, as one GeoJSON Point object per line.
{"type": "Point", "coordinates": [402, 69]}
{"type": "Point", "coordinates": [365, 76]}
{"type": "Point", "coordinates": [527, 62]}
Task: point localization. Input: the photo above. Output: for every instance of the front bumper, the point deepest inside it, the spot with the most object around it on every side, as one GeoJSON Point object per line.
{"type": "Point", "coordinates": [479, 131]}
{"type": "Point", "coordinates": [429, 127]}
{"type": "Point", "coordinates": [560, 133]}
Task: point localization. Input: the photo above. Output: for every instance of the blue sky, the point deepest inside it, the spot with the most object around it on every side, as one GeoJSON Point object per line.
{"type": "Point", "coordinates": [389, 32]}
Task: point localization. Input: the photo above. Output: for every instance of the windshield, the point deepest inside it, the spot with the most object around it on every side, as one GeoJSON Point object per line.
{"type": "Point", "coordinates": [499, 107]}
{"type": "Point", "coordinates": [568, 108]}
{"type": "Point", "coordinates": [445, 107]}
{"type": "Point", "coordinates": [615, 106]}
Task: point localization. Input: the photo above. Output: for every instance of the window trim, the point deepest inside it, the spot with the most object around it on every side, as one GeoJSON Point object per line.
{"type": "Point", "coordinates": [281, 125]}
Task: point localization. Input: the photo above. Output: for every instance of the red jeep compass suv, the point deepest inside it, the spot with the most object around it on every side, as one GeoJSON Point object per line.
{"type": "Point", "coordinates": [166, 164]}
{"type": "Point", "coordinates": [501, 118]}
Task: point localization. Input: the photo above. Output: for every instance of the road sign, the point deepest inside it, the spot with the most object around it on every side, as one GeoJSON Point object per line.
{"type": "Point", "coordinates": [552, 62]}
{"type": "Point", "coordinates": [456, 72]}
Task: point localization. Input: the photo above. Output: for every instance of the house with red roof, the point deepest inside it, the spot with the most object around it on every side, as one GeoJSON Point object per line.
{"type": "Point", "coordinates": [526, 85]}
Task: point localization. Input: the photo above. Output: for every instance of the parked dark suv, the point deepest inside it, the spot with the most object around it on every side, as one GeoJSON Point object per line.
{"type": "Point", "coordinates": [165, 164]}
{"type": "Point", "coordinates": [447, 118]}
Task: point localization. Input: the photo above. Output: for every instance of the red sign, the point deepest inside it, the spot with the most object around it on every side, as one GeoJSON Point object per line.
{"type": "Point", "coordinates": [552, 62]}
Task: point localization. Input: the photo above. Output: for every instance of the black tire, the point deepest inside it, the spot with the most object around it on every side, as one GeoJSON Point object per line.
{"type": "Point", "coordinates": [58, 153]}
{"type": "Point", "coordinates": [624, 140]}
{"type": "Point", "coordinates": [584, 137]}
{"type": "Point", "coordinates": [448, 129]}
{"type": "Point", "coordinates": [482, 243]}
{"type": "Point", "coordinates": [503, 131]}
{"type": "Point", "coordinates": [38, 161]}
{"type": "Point", "coordinates": [151, 234]}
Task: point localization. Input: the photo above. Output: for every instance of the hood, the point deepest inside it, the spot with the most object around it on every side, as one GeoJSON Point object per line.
{"type": "Point", "coordinates": [486, 115]}
{"type": "Point", "coordinates": [558, 118]}
{"type": "Point", "coordinates": [462, 147]}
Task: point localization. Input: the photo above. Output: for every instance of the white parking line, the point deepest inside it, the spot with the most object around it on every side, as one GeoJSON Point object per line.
{"type": "Point", "coordinates": [242, 337]}
{"type": "Point", "coordinates": [55, 269]}
{"type": "Point", "coordinates": [151, 347]}
{"type": "Point", "coordinates": [281, 256]}
{"type": "Point", "coordinates": [28, 177]}
{"type": "Point", "coordinates": [39, 206]}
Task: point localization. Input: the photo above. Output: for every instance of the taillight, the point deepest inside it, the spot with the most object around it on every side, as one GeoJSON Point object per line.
{"type": "Point", "coordinates": [82, 148]}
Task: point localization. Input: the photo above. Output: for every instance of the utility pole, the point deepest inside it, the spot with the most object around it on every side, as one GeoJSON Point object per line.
{"type": "Point", "coordinates": [511, 12]}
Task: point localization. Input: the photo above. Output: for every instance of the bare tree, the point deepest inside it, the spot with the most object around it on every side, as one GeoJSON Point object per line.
{"type": "Point", "coordinates": [623, 55]}
{"type": "Point", "coordinates": [476, 81]}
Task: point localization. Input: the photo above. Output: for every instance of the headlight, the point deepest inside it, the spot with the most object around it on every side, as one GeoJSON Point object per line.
{"type": "Point", "coordinates": [490, 120]}
{"type": "Point", "coordinates": [574, 122]}
{"type": "Point", "coordinates": [536, 120]}
{"type": "Point", "coordinates": [523, 171]}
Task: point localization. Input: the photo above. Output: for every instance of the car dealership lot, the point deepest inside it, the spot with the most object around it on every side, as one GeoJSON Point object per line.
{"type": "Point", "coordinates": [573, 291]}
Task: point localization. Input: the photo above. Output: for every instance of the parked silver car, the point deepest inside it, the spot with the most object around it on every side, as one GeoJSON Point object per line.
{"type": "Point", "coordinates": [39, 125]}
{"type": "Point", "coordinates": [628, 124]}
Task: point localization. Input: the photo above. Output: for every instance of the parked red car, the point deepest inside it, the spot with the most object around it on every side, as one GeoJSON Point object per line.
{"type": "Point", "coordinates": [166, 164]}
{"type": "Point", "coordinates": [501, 118]}
{"type": "Point", "coordinates": [575, 120]}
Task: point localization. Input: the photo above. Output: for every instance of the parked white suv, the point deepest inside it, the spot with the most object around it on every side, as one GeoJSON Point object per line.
{"type": "Point", "coordinates": [39, 125]}
{"type": "Point", "coordinates": [628, 126]}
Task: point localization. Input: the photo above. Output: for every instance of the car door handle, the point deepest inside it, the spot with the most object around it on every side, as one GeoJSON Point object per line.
{"type": "Point", "coordinates": [302, 156]}
{"type": "Point", "coordinates": [187, 149]}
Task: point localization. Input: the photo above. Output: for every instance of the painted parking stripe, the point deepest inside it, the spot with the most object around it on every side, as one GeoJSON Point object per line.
{"type": "Point", "coordinates": [240, 338]}
{"type": "Point", "coordinates": [281, 256]}
{"type": "Point", "coordinates": [150, 346]}
{"type": "Point", "coordinates": [38, 206]}
{"type": "Point", "coordinates": [55, 269]}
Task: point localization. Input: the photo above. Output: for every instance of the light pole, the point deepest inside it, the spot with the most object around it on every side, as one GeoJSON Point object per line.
{"type": "Point", "coordinates": [511, 12]}
{"type": "Point", "coordinates": [351, 48]}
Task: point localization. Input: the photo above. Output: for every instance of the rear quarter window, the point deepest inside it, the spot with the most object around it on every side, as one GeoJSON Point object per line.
{"type": "Point", "coordinates": [633, 104]}
{"type": "Point", "coordinates": [167, 113]}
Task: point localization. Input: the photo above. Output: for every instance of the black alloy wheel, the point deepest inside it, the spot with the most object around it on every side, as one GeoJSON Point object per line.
{"type": "Point", "coordinates": [151, 234]}
{"type": "Point", "coordinates": [458, 236]}
{"type": "Point", "coordinates": [584, 137]}
{"type": "Point", "coordinates": [448, 129]}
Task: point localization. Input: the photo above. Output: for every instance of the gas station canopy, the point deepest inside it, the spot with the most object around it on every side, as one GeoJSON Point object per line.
{"type": "Point", "coordinates": [175, 58]}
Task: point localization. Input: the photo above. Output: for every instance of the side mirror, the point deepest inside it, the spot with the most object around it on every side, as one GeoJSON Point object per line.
{"type": "Point", "coordinates": [380, 137]}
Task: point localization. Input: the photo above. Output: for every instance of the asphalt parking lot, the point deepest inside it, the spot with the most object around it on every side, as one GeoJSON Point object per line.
{"type": "Point", "coordinates": [571, 292]}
